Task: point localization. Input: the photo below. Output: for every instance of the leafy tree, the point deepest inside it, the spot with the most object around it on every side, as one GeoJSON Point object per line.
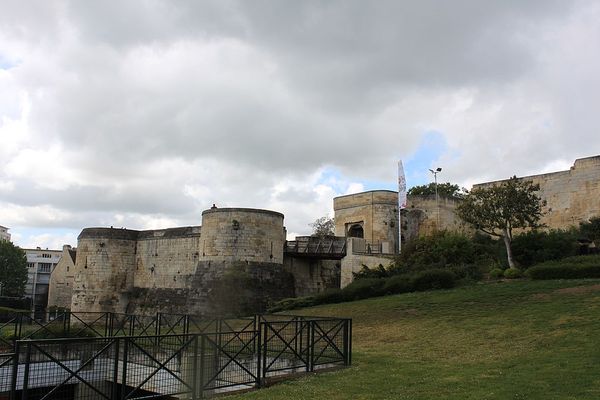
{"type": "Point", "coordinates": [498, 209]}
{"type": "Point", "coordinates": [323, 226]}
{"type": "Point", "coordinates": [444, 190]}
{"type": "Point", "coordinates": [13, 269]}
{"type": "Point", "coordinates": [444, 249]}
{"type": "Point", "coordinates": [591, 228]}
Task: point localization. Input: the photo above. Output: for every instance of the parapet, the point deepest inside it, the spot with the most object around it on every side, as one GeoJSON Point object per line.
{"type": "Point", "coordinates": [108, 233]}
{"type": "Point", "coordinates": [242, 210]}
{"type": "Point", "coordinates": [387, 197]}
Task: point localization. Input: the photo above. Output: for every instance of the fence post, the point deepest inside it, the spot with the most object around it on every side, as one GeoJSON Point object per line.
{"type": "Point", "coordinates": [158, 322]}
{"type": "Point", "coordinates": [258, 346]}
{"type": "Point", "coordinates": [68, 324]}
{"type": "Point", "coordinates": [20, 326]}
{"type": "Point", "coordinates": [115, 393]}
{"type": "Point", "coordinates": [195, 369]}
{"type": "Point", "coordinates": [346, 342]}
{"type": "Point", "coordinates": [26, 373]}
{"type": "Point", "coordinates": [15, 370]}
{"type": "Point", "coordinates": [131, 324]}
{"type": "Point", "coordinates": [124, 372]}
{"type": "Point", "coordinates": [311, 345]}
{"type": "Point", "coordinates": [265, 350]}
{"type": "Point", "coordinates": [202, 363]}
{"type": "Point", "coordinates": [349, 341]}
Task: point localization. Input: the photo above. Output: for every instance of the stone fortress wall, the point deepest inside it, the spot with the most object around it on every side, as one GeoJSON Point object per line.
{"type": "Point", "coordinates": [424, 216]}
{"type": "Point", "coordinates": [169, 270]}
{"type": "Point", "coordinates": [571, 196]}
{"type": "Point", "coordinates": [176, 270]}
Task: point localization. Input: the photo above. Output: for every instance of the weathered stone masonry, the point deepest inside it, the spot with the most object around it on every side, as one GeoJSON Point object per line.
{"type": "Point", "coordinates": [571, 196]}
{"type": "Point", "coordinates": [176, 270]}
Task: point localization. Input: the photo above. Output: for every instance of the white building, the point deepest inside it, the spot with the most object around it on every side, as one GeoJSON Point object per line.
{"type": "Point", "coordinates": [40, 264]}
{"type": "Point", "coordinates": [4, 235]}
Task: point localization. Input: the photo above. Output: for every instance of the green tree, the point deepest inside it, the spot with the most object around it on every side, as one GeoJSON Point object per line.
{"type": "Point", "coordinates": [323, 226]}
{"type": "Point", "coordinates": [498, 209]}
{"type": "Point", "coordinates": [13, 269]}
{"type": "Point", "coordinates": [444, 190]}
{"type": "Point", "coordinates": [591, 228]}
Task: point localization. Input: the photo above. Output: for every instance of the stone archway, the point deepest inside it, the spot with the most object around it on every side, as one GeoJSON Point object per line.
{"type": "Point", "coordinates": [356, 230]}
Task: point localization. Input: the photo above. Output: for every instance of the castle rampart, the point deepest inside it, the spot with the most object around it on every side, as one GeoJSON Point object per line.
{"type": "Point", "coordinates": [123, 270]}
{"type": "Point", "coordinates": [571, 196]}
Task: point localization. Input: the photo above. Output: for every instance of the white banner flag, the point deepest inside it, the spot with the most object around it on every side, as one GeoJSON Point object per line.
{"type": "Point", "coordinates": [401, 186]}
{"type": "Point", "coordinates": [401, 201]}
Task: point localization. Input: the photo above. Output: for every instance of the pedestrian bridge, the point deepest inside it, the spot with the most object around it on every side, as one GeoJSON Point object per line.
{"type": "Point", "coordinates": [326, 247]}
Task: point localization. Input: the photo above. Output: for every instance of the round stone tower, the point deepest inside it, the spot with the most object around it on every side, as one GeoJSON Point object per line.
{"type": "Point", "coordinates": [242, 234]}
{"type": "Point", "coordinates": [103, 270]}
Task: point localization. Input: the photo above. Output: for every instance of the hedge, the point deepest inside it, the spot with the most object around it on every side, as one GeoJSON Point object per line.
{"type": "Point", "coordinates": [373, 287]}
{"type": "Point", "coordinates": [568, 268]}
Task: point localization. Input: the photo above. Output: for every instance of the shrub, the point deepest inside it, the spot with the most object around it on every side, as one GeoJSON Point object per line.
{"type": "Point", "coordinates": [362, 289]}
{"type": "Point", "coordinates": [513, 273]}
{"type": "Point", "coordinates": [467, 271]}
{"type": "Point", "coordinates": [365, 288]}
{"type": "Point", "coordinates": [15, 303]}
{"type": "Point", "coordinates": [534, 247]}
{"type": "Point", "coordinates": [497, 273]}
{"type": "Point", "coordinates": [292, 304]}
{"type": "Point", "coordinates": [590, 229]}
{"type": "Point", "coordinates": [439, 250]}
{"type": "Point", "coordinates": [367, 273]}
{"type": "Point", "coordinates": [433, 279]}
{"type": "Point", "coordinates": [397, 284]}
{"type": "Point", "coordinates": [570, 268]}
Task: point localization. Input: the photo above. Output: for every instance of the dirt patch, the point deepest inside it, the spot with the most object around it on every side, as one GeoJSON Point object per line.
{"type": "Point", "coordinates": [570, 290]}
{"type": "Point", "coordinates": [579, 289]}
{"type": "Point", "coordinates": [541, 296]}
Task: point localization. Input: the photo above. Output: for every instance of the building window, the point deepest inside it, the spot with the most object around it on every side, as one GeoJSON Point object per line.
{"type": "Point", "coordinates": [46, 255]}
{"type": "Point", "coordinates": [30, 265]}
{"type": "Point", "coordinates": [45, 267]}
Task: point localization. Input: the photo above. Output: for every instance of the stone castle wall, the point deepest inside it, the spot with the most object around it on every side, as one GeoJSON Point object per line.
{"type": "Point", "coordinates": [60, 287]}
{"type": "Point", "coordinates": [572, 196]}
{"type": "Point", "coordinates": [167, 258]}
{"type": "Point", "coordinates": [354, 262]}
{"type": "Point", "coordinates": [104, 270]}
{"type": "Point", "coordinates": [122, 270]}
{"type": "Point", "coordinates": [376, 211]}
{"type": "Point", "coordinates": [422, 215]}
{"type": "Point", "coordinates": [312, 275]}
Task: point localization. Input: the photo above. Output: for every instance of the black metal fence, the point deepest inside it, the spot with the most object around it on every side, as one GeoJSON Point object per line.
{"type": "Point", "coordinates": [21, 325]}
{"type": "Point", "coordinates": [212, 357]}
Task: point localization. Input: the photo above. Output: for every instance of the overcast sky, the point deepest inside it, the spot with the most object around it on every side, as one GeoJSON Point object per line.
{"type": "Point", "coordinates": [141, 114]}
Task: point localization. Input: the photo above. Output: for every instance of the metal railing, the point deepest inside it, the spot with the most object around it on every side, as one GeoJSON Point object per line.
{"type": "Point", "coordinates": [20, 325]}
{"type": "Point", "coordinates": [228, 355]}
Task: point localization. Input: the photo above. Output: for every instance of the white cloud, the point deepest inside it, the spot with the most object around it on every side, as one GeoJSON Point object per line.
{"type": "Point", "coordinates": [142, 114]}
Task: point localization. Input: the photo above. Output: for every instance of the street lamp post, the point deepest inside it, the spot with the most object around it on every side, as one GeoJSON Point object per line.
{"type": "Point", "coordinates": [437, 199]}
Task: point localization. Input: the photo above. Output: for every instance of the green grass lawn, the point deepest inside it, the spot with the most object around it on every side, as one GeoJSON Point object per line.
{"type": "Point", "coordinates": [510, 340]}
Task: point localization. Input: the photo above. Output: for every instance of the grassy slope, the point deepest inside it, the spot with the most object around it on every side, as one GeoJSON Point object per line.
{"type": "Point", "coordinates": [517, 340]}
